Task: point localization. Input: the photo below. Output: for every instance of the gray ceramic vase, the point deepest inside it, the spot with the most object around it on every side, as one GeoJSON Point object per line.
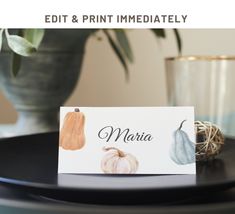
{"type": "Point", "coordinates": [44, 82]}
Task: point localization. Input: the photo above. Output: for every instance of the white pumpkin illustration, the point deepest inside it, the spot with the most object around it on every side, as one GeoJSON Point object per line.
{"type": "Point", "coordinates": [116, 161]}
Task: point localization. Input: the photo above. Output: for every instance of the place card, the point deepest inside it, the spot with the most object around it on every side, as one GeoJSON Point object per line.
{"type": "Point", "coordinates": [127, 140]}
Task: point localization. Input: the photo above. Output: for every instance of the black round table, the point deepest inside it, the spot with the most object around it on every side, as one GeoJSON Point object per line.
{"type": "Point", "coordinates": [13, 201]}
{"type": "Point", "coordinates": [17, 196]}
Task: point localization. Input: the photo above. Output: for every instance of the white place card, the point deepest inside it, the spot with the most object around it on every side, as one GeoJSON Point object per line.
{"type": "Point", "coordinates": [127, 140]}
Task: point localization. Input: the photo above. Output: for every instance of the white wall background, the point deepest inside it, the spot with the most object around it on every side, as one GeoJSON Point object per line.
{"type": "Point", "coordinates": [102, 82]}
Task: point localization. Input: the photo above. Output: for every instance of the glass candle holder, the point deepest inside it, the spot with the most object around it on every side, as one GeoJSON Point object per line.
{"type": "Point", "coordinates": [208, 84]}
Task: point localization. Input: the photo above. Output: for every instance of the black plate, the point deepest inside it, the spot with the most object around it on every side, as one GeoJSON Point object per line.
{"type": "Point", "coordinates": [30, 163]}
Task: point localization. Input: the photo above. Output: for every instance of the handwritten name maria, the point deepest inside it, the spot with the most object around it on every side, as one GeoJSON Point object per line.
{"type": "Point", "coordinates": [109, 133]}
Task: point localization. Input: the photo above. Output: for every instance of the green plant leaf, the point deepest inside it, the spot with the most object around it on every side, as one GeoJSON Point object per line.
{"type": "Point", "coordinates": [159, 33]}
{"type": "Point", "coordinates": [124, 43]}
{"type": "Point", "coordinates": [1, 32]}
{"type": "Point", "coordinates": [16, 64]}
{"type": "Point", "coordinates": [34, 36]}
{"type": "Point", "coordinates": [20, 45]}
{"type": "Point", "coordinates": [178, 40]}
{"type": "Point", "coordinates": [118, 53]}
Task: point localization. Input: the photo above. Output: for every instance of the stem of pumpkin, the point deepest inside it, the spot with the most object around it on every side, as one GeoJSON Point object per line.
{"type": "Point", "coordinates": [77, 110]}
{"type": "Point", "coordinates": [181, 124]}
{"type": "Point", "coordinates": [120, 153]}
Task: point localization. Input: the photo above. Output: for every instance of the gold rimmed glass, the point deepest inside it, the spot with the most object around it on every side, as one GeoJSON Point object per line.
{"type": "Point", "coordinates": [208, 84]}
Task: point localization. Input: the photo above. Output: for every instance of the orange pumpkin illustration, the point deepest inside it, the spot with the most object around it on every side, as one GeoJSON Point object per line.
{"type": "Point", "coordinates": [72, 136]}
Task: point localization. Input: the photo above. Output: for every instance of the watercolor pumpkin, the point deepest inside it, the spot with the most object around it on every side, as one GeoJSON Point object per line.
{"type": "Point", "coordinates": [116, 161]}
{"type": "Point", "coordinates": [182, 150]}
{"type": "Point", "coordinates": [72, 136]}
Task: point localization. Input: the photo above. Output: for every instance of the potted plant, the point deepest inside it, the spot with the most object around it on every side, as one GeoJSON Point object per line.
{"type": "Point", "coordinates": [40, 68]}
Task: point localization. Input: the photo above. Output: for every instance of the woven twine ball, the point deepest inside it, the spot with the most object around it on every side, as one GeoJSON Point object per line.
{"type": "Point", "coordinates": [210, 140]}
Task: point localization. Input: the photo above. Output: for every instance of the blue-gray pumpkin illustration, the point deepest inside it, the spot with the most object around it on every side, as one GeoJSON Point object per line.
{"type": "Point", "coordinates": [182, 150]}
